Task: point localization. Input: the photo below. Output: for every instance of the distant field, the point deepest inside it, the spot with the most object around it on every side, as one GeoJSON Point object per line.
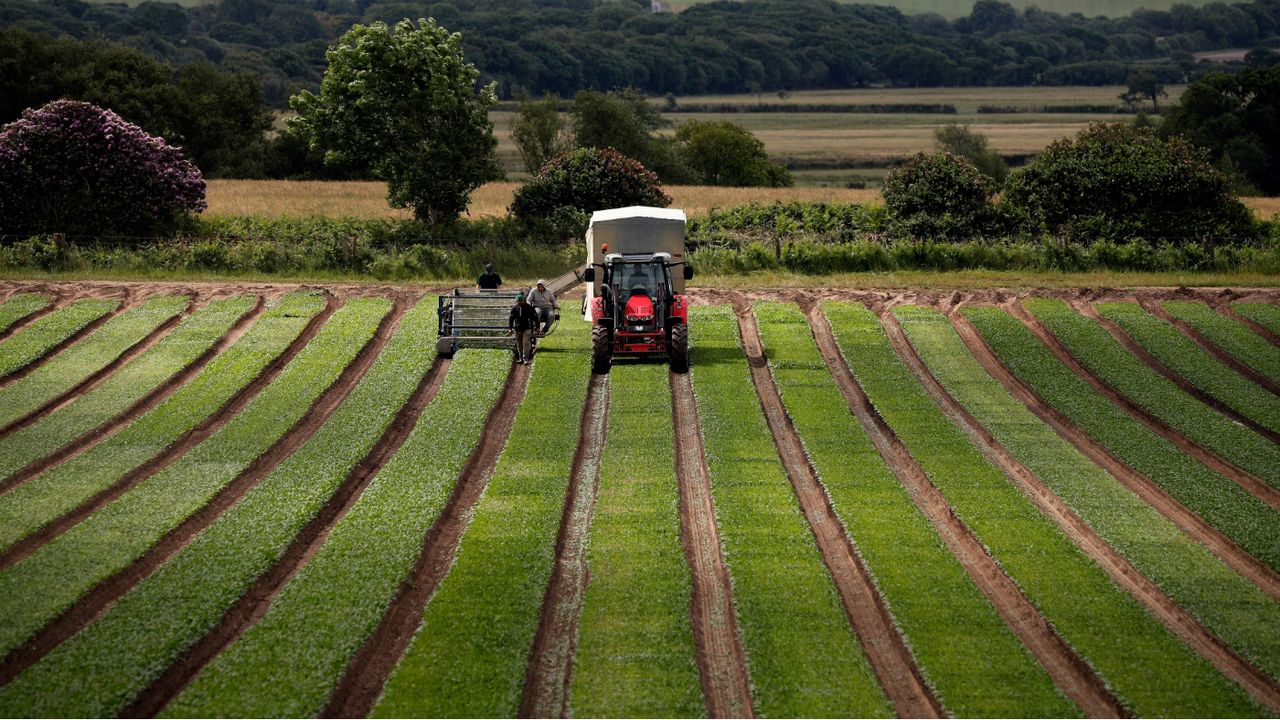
{"type": "Point", "coordinates": [959, 8]}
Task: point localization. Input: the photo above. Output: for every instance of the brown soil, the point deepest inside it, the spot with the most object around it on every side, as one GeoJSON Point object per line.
{"type": "Point", "coordinates": [722, 664]}
{"type": "Point", "coordinates": [1122, 572]}
{"type": "Point", "coordinates": [74, 338]}
{"type": "Point", "coordinates": [546, 686]}
{"type": "Point", "coordinates": [1210, 347]}
{"type": "Point", "coordinates": [364, 678]}
{"type": "Point", "coordinates": [872, 622]}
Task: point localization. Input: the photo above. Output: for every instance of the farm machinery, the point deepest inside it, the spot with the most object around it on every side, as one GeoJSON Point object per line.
{"type": "Point", "coordinates": [478, 319]}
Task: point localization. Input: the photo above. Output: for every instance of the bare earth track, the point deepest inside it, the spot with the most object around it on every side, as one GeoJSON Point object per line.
{"type": "Point", "coordinates": [72, 339]}
{"type": "Point", "coordinates": [1208, 346]}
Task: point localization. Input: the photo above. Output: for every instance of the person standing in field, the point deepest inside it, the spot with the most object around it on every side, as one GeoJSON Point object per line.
{"type": "Point", "coordinates": [544, 304]}
{"type": "Point", "coordinates": [488, 280]}
{"type": "Point", "coordinates": [522, 322]}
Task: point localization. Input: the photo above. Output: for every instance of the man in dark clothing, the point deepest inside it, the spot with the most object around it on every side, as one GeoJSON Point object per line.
{"type": "Point", "coordinates": [522, 322]}
{"type": "Point", "coordinates": [488, 280]}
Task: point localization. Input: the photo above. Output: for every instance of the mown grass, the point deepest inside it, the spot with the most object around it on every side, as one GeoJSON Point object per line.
{"type": "Point", "coordinates": [59, 490]}
{"type": "Point", "coordinates": [973, 662]}
{"type": "Point", "coordinates": [176, 351]}
{"type": "Point", "coordinates": [468, 658]}
{"type": "Point", "coordinates": [1240, 342]}
{"type": "Point", "coordinates": [36, 589]}
{"type": "Point", "coordinates": [1265, 314]}
{"type": "Point", "coordinates": [1230, 606]}
{"type": "Point", "coordinates": [1180, 354]}
{"type": "Point", "coordinates": [289, 662]}
{"type": "Point", "coordinates": [95, 352]}
{"type": "Point", "coordinates": [635, 644]}
{"type": "Point", "coordinates": [104, 667]}
{"type": "Point", "coordinates": [34, 341]}
{"type": "Point", "coordinates": [19, 306]}
{"type": "Point", "coordinates": [1222, 503]}
{"type": "Point", "coordinates": [1110, 361]}
{"type": "Point", "coordinates": [788, 609]}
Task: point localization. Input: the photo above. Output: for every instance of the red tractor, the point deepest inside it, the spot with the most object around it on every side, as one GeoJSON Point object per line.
{"type": "Point", "coordinates": [637, 311]}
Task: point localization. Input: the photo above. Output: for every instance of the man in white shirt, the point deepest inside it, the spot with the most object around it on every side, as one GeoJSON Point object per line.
{"type": "Point", "coordinates": [544, 303]}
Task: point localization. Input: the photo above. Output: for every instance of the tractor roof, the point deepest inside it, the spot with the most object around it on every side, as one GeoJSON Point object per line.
{"type": "Point", "coordinates": [638, 212]}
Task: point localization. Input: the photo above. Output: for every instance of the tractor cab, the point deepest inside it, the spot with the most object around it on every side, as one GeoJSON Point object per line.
{"type": "Point", "coordinates": [638, 311]}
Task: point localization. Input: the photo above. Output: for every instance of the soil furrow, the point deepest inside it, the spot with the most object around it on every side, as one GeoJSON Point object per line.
{"type": "Point", "coordinates": [1262, 331]}
{"type": "Point", "coordinates": [74, 338]}
{"type": "Point", "coordinates": [1151, 493]}
{"type": "Point", "coordinates": [59, 301]}
{"type": "Point", "coordinates": [546, 686]}
{"type": "Point", "coordinates": [1222, 356]}
{"type": "Point", "coordinates": [1121, 571]}
{"type": "Point", "coordinates": [365, 676]}
{"type": "Point", "coordinates": [1069, 671]}
{"type": "Point", "coordinates": [1245, 479]}
{"type": "Point", "coordinates": [722, 664]}
{"type": "Point", "coordinates": [872, 622]}
{"type": "Point", "coordinates": [199, 434]}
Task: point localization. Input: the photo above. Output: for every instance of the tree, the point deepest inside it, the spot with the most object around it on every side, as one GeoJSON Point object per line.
{"type": "Point", "coordinates": [539, 132]}
{"type": "Point", "coordinates": [572, 186]}
{"type": "Point", "coordinates": [625, 121]}
{"type": "Point", "coordinates": [968, 143]}
{"type": "Point", "coordinates": [1144, 85]}
{"type": "Point", "coordinates": [940, 196]}
{"type": "Point", "coordinates": [725, 153]}
{"type": "Point", "coordinates": [405, 99]}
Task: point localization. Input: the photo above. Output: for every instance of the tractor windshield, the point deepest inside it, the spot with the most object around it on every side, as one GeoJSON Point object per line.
{"type": "Point", "coordinates": [649, 278]}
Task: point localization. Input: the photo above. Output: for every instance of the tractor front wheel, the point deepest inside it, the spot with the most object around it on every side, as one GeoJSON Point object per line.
{"type": "Point", "coordinates": [601, 350]}
{"type": "Point", "coordinates": [678, 349]}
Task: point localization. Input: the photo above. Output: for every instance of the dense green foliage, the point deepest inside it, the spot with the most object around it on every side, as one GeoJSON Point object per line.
{"type": "Point", "coordinates": [570, 187]}
{"type": "Point", "coordinates": [939, 196]}
{"type": "Point", "coordinates": [1265, 314]}
{"type": "Point", "coordinates": [19, 306]}
{"type": "Point", "coordinates": [36, 340]}
{"type": "Point", "coordinates": [972, 145]}
{"type": "Point", "coordinates": [725, 153]}
{"type": "Point", "coordinates": [539, 132]}
{"type": "Point", "coordinates": [1222, 331]}
{"type": "Point", "coordinates": [625, 121]}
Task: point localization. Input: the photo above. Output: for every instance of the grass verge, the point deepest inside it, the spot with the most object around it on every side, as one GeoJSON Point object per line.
{"type": "Point", "coordinates": [36, 340]}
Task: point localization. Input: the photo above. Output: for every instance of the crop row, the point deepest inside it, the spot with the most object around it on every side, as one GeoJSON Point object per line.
{"type": "Point", "coordinates": [973, 662]}
{"type": "Point", "coordinates": [194, 337]}
{"type": "Point", "coordinates": [289, 662]}
{"type": "Point", "coordinates": [1111, 362]}
{"type": "Point", "coordinates": [1230, 606]}
{"type": "Point", "coordinates": [20, 306]}
{"type": "Point", "coordinates": [1241, 343]}
{"type": "Point", "coordinates": [103, 668]}
{"type": "Point", "coordinates": [42, 585]}
{"type": "Point", "coordinates": [1265, 314]}
{"type": "Point", "coordinates": [34, 341]}
{"type": "Point", "coordinates": [59, 490]}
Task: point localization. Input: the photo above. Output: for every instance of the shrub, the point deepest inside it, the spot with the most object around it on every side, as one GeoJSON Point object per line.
{"type": "Point", "coordinates": [939, 196]}
{"type": "Point", "coordinates": [75, 168]}
{"type": "Point", "coordinates": [584, 181]}
{"type": "Point", "coordinates": [725, 153]}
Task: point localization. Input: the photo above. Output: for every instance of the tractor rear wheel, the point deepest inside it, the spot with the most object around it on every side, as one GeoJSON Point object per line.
{"type": "Point", "coordinates": [678, 349]}
{"type": "Point", "coordinates": [601, 350]}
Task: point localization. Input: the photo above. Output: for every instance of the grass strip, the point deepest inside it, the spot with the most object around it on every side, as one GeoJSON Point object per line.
{"type": "Point", "coordinates": [635, 642]}
{"type": "Point", "coordinates": [103, 668]}
{"type": "Point", "coordinates": [36, 589]}
{"type": "Point", "coordinates": [19, 306]}
{"type": "Point", "coordinates": [1149, 668]}
{"type": "Point", "coordinates": [1239, 341]}
{"type": "Point", "coordinates": [1230, 606]}
{"type": "Point", "coordinates": [1265, 314]}
{"type": "Point", "coordinates": [974, 663]}
{"type": "Point", "coordinates": [783, 625]}
{"type": "Point", "coordinates": [1180, 354]}
{"type": "Point", "coordinates": [1110, 361]}
{"type": "Point", "coordinates": [289, 662]}
{"type": "Point", "coordinates": [1243, 518]}
{"type": "Point", "coordinates": [63, 488]}
{"type": "Point", "coordinates": [37, 339]}
{"type": "Point", "coordinates": [117, 393]}
{"type": "Point", "coordinates": [469, 656]}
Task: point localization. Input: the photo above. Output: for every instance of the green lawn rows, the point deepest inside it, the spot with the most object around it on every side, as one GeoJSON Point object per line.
{"type": "Point", "coordinates": [1241, 342]}
{"type": "Point", "coordinates": [34, 341]}
{"type": "Point", "coordinates": [1225, 505]}
{"type": "Point", "coordinates": [788, 610]}
{"type": "Point", "coordinates": [1230, 606]}
{"type": "Point", "coordinates": [469, 656]}
{"type": "Point", "coordinates": [1265, 314]}
{"type": "Point", "coordinates": [72, 366]}
{"type": "Point", "coordinates": [1145, 665]}
{"type": "Point", "coordinates": [289, 662]}
{"type": "Point", "coordinates": [635, 645]}
{"type": "Point", "coordinates": [971, 659]}
{"type": "Point", "coordinates": [1180, 354]}
{"type": "Point", "coordinates": [19, 306]}
{"type": "Point", "coordinates": [61, 489]}
{"type": "Point", "coordinates": [39, 587]}
{"type": "Point", "coordinates": [1106, 358]}
{"type": "Point", "coordinates": [102, 669]}
{"type": "Point", "coordinates": [117, 393]}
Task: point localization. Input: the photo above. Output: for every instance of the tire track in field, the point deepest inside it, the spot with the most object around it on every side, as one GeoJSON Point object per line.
{"type": "Point", "coordinates": [547, 679]}
{"type": "Point", "coordinates": [253, 605]}
{"type": "Point", "coordinates": [1121, 571]}
{"type": "Point", "coordinates": [722, 663]}
{"type": "Point", "coordinates": [1253, 484]}
{"type": "Point", "coordinates": [77, 336]}
{"type": "Point", "coordinates": [365, 676]}
{"type": "Point", "coordinates": [1222, 356]}
{"type": "Point", "coordinates": [140, 407]}
{"type": "Point", "coordinates": [1142, 486]}
{"type": "Point", "coordinates": [177, 449]}
{"type": "Point", "coordinates": [1260, 330]}
{"type": "Point", "coordinates": [1077, 680]}
{"type": "Point", "coordinates": [873, 624]}
{"type": "Point", "coordinates": [59, 300]}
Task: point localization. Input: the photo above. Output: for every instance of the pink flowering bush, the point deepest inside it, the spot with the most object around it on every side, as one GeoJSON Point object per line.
{"type": "Point", "coordinates": [72, 167]}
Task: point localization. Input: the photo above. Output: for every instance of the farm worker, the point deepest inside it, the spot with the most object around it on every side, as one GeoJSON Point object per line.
{"type": "Point", "coordinates": [488, 280]}
{"type": "Point", "coordinates": [544, 303]}
{"type": "Point", "coordinates": [523, 321]}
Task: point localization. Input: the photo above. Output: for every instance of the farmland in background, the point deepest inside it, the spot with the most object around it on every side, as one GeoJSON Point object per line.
{"type": "Point", "coordinates": [958, 8]}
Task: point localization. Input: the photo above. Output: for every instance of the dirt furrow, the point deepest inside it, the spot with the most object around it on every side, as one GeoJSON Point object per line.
{"type": "Point", "coordinates": [1151, 493]}
{"type": "Point", "coordinates": [872, 622]}
{"type": "Point", "coordinates": [364, 678]}
{"type": "Point", "coordinates": [59, 301]}
{"type": "Point", "coordinates": [177, 449]}
{"type": "Point", "coordinates": [1222, 356]}
{"type": "Point", "coordinates": [74, 338]}
{"type": "Point", "coordinates": [1121, 571]}
{"type": "Point", "coordinates": [141, 407]}
{"type": "Point", "coordinates": [546, 685]}
{"type": "Point", "coordinates": [1250, 482]}
{"type": "Point", "coordinates": [1262, 331]}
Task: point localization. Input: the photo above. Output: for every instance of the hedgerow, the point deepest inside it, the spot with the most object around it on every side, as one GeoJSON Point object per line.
{"type": "Point", "coordinates": [36, 340]}
{"type": "Point", "coordinates": [1265, 314]}
{"type": "Point", "coordinates": [19, 306]}
{"type": "Point", "coordinates": [1229, 335]}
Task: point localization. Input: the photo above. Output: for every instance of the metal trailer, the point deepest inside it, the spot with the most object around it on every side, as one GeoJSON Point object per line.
{"type": "Point", "coordinates": [478, 318]}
